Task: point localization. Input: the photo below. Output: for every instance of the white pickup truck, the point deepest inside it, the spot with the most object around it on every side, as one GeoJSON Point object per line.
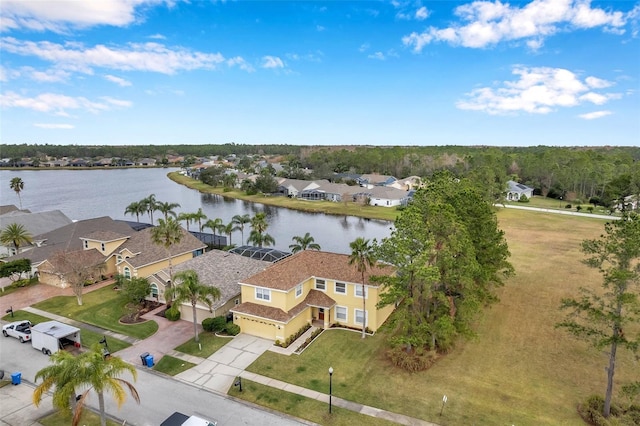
{"type": "Point", "coordinates": [21, 330]}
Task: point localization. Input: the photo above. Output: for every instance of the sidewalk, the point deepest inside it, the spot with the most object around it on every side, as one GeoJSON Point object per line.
{"type": "Point", "coordinates": [338, 402]}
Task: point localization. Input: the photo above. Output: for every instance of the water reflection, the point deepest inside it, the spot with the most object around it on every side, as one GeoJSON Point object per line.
{"type": "Point", "coordinates": [81, 194]}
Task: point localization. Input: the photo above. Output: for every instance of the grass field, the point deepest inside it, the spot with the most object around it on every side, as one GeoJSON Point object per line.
{"type": "Point", "coordinates": [171, 366]}
{"type": "Point", "coordinates": [209, 343]}
{"type": "Point", "coordinates": [519, 370]}
{"type": "Point", "coordinates": [102, 308]}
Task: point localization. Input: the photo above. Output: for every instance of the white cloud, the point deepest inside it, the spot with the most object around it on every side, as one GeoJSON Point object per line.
{"type": "Point", "coordinates": [272, 62]}
{"type": "Point", "coordinates": [364, 47]}
{"type": "Point", "coordinates": [117, 80]}
{"type": "Point", "coordinates": [537, 91]}
{"type": "Point", "coordinates": [150, 56]}
{"type": "Point", "coordinates": [594, 115]}
{"type": "Point", "coordinates": [597, 83]}
{"type": "Point", "coordinates": [157, 37]}
{"type": "Point", "coordinates": [377, 55]}
{"type": "Point", "coordinates": [422, 14]}
{"type": "Point", "coordinates": [7, 74]}
{"type": "Point", "coordinates": [117, 102]}
{"type": "Point", "coordinates": [61, 15]}
{"type": "Point", "coordinates": [487, 23]}
{"type": "Point", "coordinates": [241, 63]}
{"type": "Point", "coordinates": [49, 76]}
{"type": "Point", "coordinates": [54, 126]}
{"type": "Point", "coordinates": [57, 104]}
{"type": "Point", "coordinates": [320, 28]}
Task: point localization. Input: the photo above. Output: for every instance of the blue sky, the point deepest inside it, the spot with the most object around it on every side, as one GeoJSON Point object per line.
{"type": "Point", "coordinates": [543, 72]}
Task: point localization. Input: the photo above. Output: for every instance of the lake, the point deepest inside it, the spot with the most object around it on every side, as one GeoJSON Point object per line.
{"type": "Point", "coordinates": [84, 194]}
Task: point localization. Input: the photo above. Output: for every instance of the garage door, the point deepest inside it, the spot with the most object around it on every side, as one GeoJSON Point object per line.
{"type": "Point", "coordinates": [259, 328]}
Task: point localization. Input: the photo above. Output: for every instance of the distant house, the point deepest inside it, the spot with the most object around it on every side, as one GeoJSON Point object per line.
{"type": "Point", "coordinates": [386, 196]}
{"type": "Point", "coordinates": [73, 238]}
{"type": "Point", "coordinates": [516, 190]}
{"type": "Point", "coordinates": [309, 287]}
{"type": "Point", "coordinates": [215, 268]}
{"type": "Point", "coordinates": [34, 223]}
{"type": "Point", "coordinates": [371, 180]}
{"type": "Point", "coordinates": [293, 187]}
{"type": "Point", "coordinates": [146, 162]}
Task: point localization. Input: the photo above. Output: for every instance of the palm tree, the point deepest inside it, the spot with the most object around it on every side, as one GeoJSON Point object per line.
{"type": "Point", "coordinates": [214, 225]}
{"type": "Point", "coordinates": [258, 235]}
{"type": "Point", "coordinates": [305, 242]}
{"type": "Point", "coordinates": [17, 185]}
{"type": "Point", "coordinates": [61, 375]}
{"type": "Point", "coordinates": [193, 291]}
{"type": "Point", "coordinates": [167, 233]}
{"type": "Point", "coordinates": [240, 221]}
{"type": "Point", "coordinates": [228, 230]}
{"type": "Point", "coordinates": [258, 239]}
{"type": "Point", "coordinates": [167, 208]}
{"type": "Point", "coordinates": [362, 256]}
{"type": "Point", "coordinates": [151, 204]}
{"type": "Point", "coordinates": [93, 369]}
{"type": "Point", "coordinates": [187, 217]}
{"type": "Point", "coordinates": [16, 235]}
{"type": "Point", "coordinates": [137, 208]}
{"type": "Point", "coordinates": [198, 216]}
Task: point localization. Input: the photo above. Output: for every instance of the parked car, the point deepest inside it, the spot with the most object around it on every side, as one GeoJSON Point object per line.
{"type": "Point", "coordinates": [21, 330]}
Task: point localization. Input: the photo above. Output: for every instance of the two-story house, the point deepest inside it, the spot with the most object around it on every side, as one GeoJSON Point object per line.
{"type": "Point", "coordinates": [310, 287]}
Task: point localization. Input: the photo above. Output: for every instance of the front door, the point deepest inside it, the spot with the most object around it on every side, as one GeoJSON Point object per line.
{"type": "Point", "coordinates": [321, 314]}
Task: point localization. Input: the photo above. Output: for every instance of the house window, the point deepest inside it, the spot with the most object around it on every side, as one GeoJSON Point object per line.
{"type": "Point", "coordinates": [299, 290]}
{"type": "Point", "coordinates": [86, 244]}
{"type": "Point", "coordinates": [237, 302]}
{"type": "Point", "coordinates": [102, 246]}
{"type": "Point", "coordinates": [127, 272]}
{"type": "Point", "coordinates": [359, 291]}
{"type": "Point", "coordinates": [359, 316]}
{"type": "Point", "coordinates": [320, 284]}
{"type": "Point", "coordinates": [341, 313]}
{"type": "Point", "coordinates": [341, 288]}
{"type": "Point", "coordinates": [154, 291]}
{"type": "Point", "coordinates": [263, 294]}
{"type": "Point", "coordinates": [118, 258]}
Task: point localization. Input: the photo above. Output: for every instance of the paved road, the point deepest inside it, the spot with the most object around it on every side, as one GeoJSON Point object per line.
{"type": "Point", "coordinates": [556, 211]}
{"type": "Point", "coordinates": [160, 396]}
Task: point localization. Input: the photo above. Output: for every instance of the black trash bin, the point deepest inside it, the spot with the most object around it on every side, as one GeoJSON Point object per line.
{"type": "Point", "coordinates": [143, 358]}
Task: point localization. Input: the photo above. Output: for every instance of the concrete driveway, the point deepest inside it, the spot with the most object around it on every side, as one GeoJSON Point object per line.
{"type": "Point", "coordinates": [218, 372]}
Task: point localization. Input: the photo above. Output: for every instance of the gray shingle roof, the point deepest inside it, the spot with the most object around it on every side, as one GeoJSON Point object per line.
{"type": "Point", "coordinates": [220, 269]}
{"type": "Point", "coordinates": [35, 223]}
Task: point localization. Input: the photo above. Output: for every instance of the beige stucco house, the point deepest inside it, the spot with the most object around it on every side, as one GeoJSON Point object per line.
{"type": "Point", "coordinates": [310, 287]}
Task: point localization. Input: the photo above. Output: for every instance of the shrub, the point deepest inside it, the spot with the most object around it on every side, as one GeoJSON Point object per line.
{"type": "Point", "coordinates": [413, 360]}
{"type": "Point", "coordinates": [172, 314]}
{"type": "Point", "coordinates": [578, 208]}
{"type": "Point", "coordinates": [590, 209]}
{"type": "Point", "coordinates": [591, 412]}
{"type": "Point", "coordinates": [523, 199]}
{"type": "Point", "coordinates": [232, 329]}
{"type": "Point", "coordinates": [218, 324]}
{"type": "Point", "coordinates": [207, 324]}
{"type": "Point", "coordinates": [568, 206]}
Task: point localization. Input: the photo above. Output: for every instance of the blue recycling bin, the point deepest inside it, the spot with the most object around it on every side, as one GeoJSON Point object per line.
{"type": "Point", "coordinates": [16, 378]}
{"type": "Point", "coordinates": [149, 360]}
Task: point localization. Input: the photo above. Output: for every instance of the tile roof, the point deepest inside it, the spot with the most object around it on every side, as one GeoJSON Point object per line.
{"type": "Point", "coordinates": [314, 298]}
{"type": "Point", "coordinates": [219, 269]}
{"type": "Point", "coordinates": [289, 272]}
{"type": "Point", "coordinates": [105, 236]}
{"type": "Point", "coordinates": [148, 252]}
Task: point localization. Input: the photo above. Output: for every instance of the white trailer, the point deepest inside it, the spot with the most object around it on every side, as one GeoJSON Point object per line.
{"type": "Point", "coordinates": [51, 336]}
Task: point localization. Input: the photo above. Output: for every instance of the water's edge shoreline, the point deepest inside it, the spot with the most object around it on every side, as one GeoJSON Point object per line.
{"type": "Point", "coordinates": [327, 207]}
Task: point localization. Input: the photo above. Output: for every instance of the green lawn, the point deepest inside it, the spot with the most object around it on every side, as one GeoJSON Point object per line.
{"type": "Point", "coordinates": [102, 308]}
{"type": "Point", "coordinates": [209, 343]}
{"type": "Point", "coordinates": [301, 407]}
{"type": "Point", "coordinates": [519, 370]}
{"type": "Point", "coordinates": [172, 366]}
{"type": "Point", "coordinates": [87, 337]}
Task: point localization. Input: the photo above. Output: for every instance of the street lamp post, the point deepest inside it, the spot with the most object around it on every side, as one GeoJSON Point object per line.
{"type": "Point", "coordinates": [330, 379]}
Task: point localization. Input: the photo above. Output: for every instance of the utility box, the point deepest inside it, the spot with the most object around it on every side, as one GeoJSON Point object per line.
{"type": "Point", "coordinates": [143, 357]}
{"type": "Point", "coordinates": [149, 361]}
{"type": "Point", "coordinates": [16, 378]}
{"type": "Point", "coordinates": [51, 336]}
